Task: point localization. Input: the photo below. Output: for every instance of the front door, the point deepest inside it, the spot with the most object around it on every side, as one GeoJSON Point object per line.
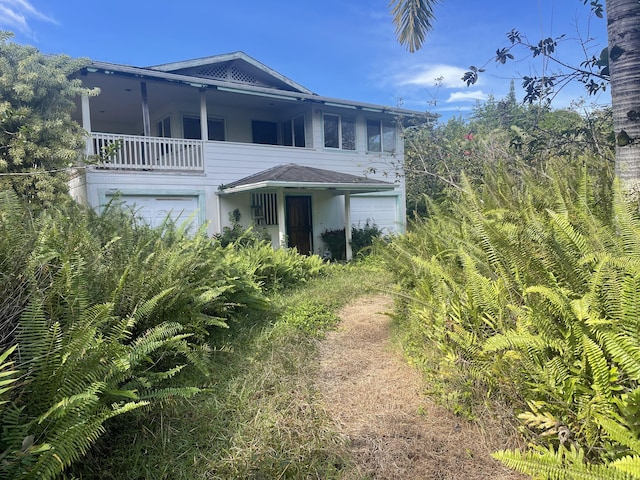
{"type": "Point", "coordinates": [299, 226]}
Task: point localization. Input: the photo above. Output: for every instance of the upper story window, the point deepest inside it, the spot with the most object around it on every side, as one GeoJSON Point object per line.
{"type": "Point", "coordinates": [339, 132]}
{"type": "Point", "coordinates": [293, 132]}
{"type": "Point", "coordinates": [265, 133]}
{"type": "Point", "coordinates": [191, 128]}
{"type": "Point", "coordinates": [381, 136]}
{"type": "Point", "coordinates": [164, 127]}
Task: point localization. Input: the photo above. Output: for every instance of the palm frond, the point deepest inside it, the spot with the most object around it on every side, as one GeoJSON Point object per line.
{"type": "Point", "coordinates": [413, 20]}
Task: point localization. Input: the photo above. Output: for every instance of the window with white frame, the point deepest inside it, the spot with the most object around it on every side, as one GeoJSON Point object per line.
{"type": "Point", "coordinates": [292, 132]}
{"type": "Point", "coordinates": [381, 136]}
{"type": "Point", "coordinates": [264, 207]}
{"type": "Point", "coordinates": [339, 132]}
{"type": "Point", "coordinates": [191, 128]}
{"type": "Point", "coordinates": [164, 127]}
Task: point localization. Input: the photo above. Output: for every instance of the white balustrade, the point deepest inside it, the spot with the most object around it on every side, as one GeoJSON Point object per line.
{"type": "Point", "coordinates": [134, 152]}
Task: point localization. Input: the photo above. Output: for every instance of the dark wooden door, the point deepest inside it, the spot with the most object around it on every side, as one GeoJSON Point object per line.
{"type": "Point", "coordinates": [299, 225]}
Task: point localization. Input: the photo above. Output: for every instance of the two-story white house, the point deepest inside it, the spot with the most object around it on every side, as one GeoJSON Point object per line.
{"type": "Point", "coordinates": [201, 138]}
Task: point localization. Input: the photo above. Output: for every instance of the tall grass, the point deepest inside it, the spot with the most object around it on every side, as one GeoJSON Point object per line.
{"type": "Point", "coordinates": [260, 415]}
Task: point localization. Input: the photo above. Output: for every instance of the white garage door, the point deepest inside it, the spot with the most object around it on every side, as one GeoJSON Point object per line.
{"type": "Point", "coordinates": [380, 211]}
{"type": "Point", "coordinates": [154, 209]}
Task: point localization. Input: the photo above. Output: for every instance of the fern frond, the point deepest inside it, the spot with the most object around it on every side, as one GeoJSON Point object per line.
{"type": "Point", "coordinates": [630, 304]}
{"type": "Point", "coordinates": [599, 367]}
{"type": "Point", "coordinates": [626, 222]}
{"type": "Point", "coordinates": [619, 433]}
{"type": "Point", "coordinates": [153, 339]}
{"type": "Point", "coordinates": [7, 374]}
{"type": "Point", "coordinates": [170, 393]}
{"type": "Point", "coordinates": [514, 340]}
{"type": "Point", "coordinates": [625, 351]}
{"type": "Point", "coordinates": [557, 465]}
{"type": "Point", "coordinates": [67, 404]}
{"type": "Point", "coordinates": [629, 464]}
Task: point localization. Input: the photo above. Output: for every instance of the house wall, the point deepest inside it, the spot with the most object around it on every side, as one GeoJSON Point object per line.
{"type": "Point", "coordinates": [226, 162]}
{"type": "Point", "coordinates": [78, 187]}
{"type": "Point", "coordinates": [231, 160]}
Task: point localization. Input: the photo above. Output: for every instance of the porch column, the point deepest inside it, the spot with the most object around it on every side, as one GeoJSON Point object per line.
{"type": "Point", "coordinates": [146, 122]}
{"type": "Point", "coordinates": [347, 225]}
{"type": "Point", "coordinates": [86, 123]}
{"type": "Point", "coordinates": [282, 234]}
{"type": "Point", "coordinates": [204, 126]}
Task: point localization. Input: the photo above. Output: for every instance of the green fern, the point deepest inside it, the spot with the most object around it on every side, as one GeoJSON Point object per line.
{"type": "Point", "coordinates": [538, 296]}
{"type": "Point", "coordinates": [629, 464]}
{"type": "Point", "coordinates": [8, 376]}
{"type": "Point", "coordinates": [562, 464]}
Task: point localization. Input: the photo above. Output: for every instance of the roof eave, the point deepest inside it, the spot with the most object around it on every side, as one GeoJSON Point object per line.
{"type": "Point", "coordinates": [337, 187]}
{"type": "Point", "coordinates": [247, 90]}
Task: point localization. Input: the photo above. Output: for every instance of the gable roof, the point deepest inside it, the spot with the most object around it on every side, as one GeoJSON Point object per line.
{"type": "Point", "coordinates": [236, 67]}
{"type": "Point", "coordinates": [297, 176]}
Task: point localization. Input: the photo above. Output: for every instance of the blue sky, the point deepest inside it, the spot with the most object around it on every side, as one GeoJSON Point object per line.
{"type": "Point", "coordinates": [336, 48]}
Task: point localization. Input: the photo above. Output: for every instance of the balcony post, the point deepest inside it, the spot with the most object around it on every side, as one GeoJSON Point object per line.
{"type": "Point", "coordinates": [86, 123]}
{"type": "Point", "coordinates": [282, 234]}
{"type": "Point", "coordinates": [347, 226]}
{"type": "Point", "coordinates": [146, 122]}
{"type": "Point", "coordinates": [204, 124]}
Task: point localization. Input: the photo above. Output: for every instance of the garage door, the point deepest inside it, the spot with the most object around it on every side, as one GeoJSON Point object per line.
{"type": "Point", "coordinates": [380, 211]}
{"type": "Point", "coordinates": [154, 209]}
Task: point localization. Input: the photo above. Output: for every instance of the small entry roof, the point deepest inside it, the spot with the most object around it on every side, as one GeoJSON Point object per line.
{"type": "Point", "coordinates": [299, 177]}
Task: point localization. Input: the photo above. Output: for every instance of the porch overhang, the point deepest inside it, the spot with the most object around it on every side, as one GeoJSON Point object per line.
{"type": "Point", "coordinates": [296, 177]}
{"type": "Point", "coordinates": [338, 189]}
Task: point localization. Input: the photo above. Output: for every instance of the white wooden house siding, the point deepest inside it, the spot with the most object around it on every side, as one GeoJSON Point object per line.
{"type": "Point", "coordinates": [226, 162]}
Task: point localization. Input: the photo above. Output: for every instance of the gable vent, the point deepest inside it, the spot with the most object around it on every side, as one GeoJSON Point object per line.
{"type": "Point", "coordinates": [213, 71]}
{"type": "Point", "coordinates": [241, 76]}
{"type": "Point", "coordinates": [229, 73]}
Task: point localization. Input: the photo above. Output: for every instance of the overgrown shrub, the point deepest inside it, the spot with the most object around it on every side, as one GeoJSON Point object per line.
{"type": "Point", "coordinates": [335, 241]}
{"type": "Point", "coordinates": [362, 239]}
{"type": "Point", "coordinates": [278, 268]}
{"type": "Point", "coordinates": [530, 295]}
{"type": "Point", "coordinates": [107, 312]}
{"type": "Point", "coordinates": [239, 234]}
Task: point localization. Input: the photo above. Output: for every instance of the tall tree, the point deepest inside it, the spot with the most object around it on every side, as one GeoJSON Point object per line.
{"type": "Point", "coordinates": [623, 29]}
{"type": "Point", "coordinates": [413, 20]}
{"type": "Point", "coordinates": [38, 137]}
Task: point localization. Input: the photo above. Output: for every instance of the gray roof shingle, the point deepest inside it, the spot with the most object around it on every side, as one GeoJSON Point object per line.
{"type": "Point", "coordinates": [296, 174]}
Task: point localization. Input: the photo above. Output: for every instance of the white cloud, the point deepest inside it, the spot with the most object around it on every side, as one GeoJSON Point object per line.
{"type": "Point", "coordinates": [447, 76]}
{"type": "Point", "coordinates": [14, 14]}
{"type": "Point", "coordinates": [457, 108]}
{"type": "Point", "coordinates": [468, 96]}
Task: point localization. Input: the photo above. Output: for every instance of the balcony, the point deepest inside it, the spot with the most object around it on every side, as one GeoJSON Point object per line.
{"type": "Point", "coordinates": [134, 152]}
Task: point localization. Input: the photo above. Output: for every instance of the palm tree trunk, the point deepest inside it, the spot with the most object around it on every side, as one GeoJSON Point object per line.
{"type": "Point", "coordinates": [623, 28]}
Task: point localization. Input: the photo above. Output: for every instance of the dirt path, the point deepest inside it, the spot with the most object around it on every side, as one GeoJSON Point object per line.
{"type": "Point", "coordinates": [374, 398]}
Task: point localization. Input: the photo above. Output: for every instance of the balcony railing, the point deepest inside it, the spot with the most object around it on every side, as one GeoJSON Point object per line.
{"type": "Point", "coordinates": [133, 152]}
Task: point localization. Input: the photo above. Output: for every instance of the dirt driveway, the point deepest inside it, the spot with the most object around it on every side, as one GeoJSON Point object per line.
{"type": "Point", "coordinates": [375, 399]}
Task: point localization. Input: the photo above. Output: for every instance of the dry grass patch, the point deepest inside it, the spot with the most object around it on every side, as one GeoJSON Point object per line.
{"type": "Point", "coordinates": [376, 401]}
